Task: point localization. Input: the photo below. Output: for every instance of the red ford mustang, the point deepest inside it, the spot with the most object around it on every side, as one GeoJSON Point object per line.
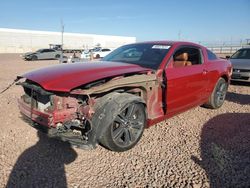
{"type": "Point", "coordinates": [111, 102]}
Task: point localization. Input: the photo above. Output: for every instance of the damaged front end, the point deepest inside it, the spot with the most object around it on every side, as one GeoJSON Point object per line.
{"type": "Point", "coordinates": [71, 116]}
{"type": "Point", "coordinates": [60, 115]}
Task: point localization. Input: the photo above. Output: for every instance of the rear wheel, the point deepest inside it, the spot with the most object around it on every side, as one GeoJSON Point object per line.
{"type": "Point", "coordinates": [218, 95]}
{"type": "Point", "coordinates": [126, 128]}
{"type": "Point", "coordinates": [57, 56]}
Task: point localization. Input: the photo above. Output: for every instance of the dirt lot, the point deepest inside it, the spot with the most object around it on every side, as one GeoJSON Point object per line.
{"type": "Point", "coordinates": [200, 148]}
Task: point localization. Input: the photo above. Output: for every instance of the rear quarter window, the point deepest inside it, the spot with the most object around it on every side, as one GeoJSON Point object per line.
{"type": "Point", "coordinates": [211, 55]}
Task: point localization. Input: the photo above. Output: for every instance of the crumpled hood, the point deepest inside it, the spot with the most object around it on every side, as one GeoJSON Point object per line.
{"type": "Point", "coordinates": [29, 53]}
{"type": "Point", "coordinates": [65, 77]}
{"type": "Point", "coordinates": [240, 63]}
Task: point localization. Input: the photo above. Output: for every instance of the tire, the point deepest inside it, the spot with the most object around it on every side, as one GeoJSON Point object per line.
{"type": "Point", "coordinates": [57, 56]}
{"type": "Point", "coordinates": [98, 56]}
{"type": "Point", "coordinates": [34, 58]}
{"type": "Point", "coordinates": [218, 95]}
{"type": "Point", "coordinates": [122, 122]}
{"type": "Point", "coordinates": [126, 129]}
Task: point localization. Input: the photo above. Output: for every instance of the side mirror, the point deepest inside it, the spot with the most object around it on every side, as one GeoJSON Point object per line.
{"type": "Point", "coordinates": [228, 57]}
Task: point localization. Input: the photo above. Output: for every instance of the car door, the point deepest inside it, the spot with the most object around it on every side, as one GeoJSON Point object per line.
{"type": "Point", "coordinates": [51, 54]}
{"type": "Point", "coordinates": [40, 54]}
{"type": "Point", "coordinates": [44, 54]}
{"type": "Point", "coordinates": [186, 79]}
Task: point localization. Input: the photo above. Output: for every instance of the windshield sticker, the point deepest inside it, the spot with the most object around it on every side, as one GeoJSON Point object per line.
{"type": "Point", "coordinates": [165, 47]}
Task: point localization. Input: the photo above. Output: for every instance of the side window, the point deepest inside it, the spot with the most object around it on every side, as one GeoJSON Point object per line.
{"type": "Point", "coordinates": [211, 55]}
{"type": "Point", "coordinates": [45, 51]}
{"type": "Point", "coordinates": [129, 55]}
{"type": "Point", "coordinates": [105, 50]}
{"type": "Point", "coordinates": [187, 56]}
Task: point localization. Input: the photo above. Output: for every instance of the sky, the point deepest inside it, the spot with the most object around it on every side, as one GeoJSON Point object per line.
{"type": "Point", "coordinates": [192, 20]}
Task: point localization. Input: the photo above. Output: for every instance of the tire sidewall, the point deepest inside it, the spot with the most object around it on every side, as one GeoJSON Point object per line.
{"type": "Point", "coordinates": [108, 135]}
{"type": "Point", "coordinates": [34, 58]}
{"type": "Point", "coordinates": [57, 56]}
{"type": "Point", "coordinates": [106, 110]}
{"type": "Point", "coordinates": [214, 96]}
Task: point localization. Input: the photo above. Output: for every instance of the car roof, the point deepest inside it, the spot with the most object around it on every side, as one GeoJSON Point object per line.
{"type": "Point", "coordinates": [168, 42]}
{"type": "Point", "coordinates": [248, 48]}
{"type": "Point", "coordinates": [45, 49]}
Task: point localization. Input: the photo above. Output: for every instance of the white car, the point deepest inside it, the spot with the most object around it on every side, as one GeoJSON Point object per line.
{"type": "Point", "coordinates": [42, 54]}
{"type": "Point", "coordinates": [85, 54]}
{"type": "Point", "coordinates": [100, 53]}
{"type": "Point", "coordinates": [96, 53]}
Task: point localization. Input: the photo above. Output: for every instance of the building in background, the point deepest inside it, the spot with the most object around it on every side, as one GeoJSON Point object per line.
{"type": "Point", "coordinates": [21, 41]}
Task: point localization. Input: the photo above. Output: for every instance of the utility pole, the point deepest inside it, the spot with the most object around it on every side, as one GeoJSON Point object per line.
{"type": "Point", "coordinates": [62, 30]}
{"type": "Point", "coordinates": [179, 35]}
{"type": "Point", "coordinates": [248, 41]}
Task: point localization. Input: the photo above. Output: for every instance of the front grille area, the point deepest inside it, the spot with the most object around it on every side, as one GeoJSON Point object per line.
{"type": "Point", "coordinates": [240, 77]}
{"type": "Point", "coordinates": [34, 114]}
{"type": "Point", "coordinates": [241, 70]}
{"type": "Point", "coordinates": [37, 99]}
{"type": "Point", "coordinates": [47, 108]}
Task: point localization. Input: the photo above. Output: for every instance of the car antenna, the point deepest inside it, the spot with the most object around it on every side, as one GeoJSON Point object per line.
{"type": "Point", "coordinates": [9, 86]}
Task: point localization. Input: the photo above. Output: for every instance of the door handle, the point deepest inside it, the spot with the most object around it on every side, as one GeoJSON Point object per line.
{"type": "Point", "coordinates": [204, 72]}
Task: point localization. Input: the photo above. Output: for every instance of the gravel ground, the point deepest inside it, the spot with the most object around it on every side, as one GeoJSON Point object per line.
{"type": "Point", "coordinates": [199, 148]}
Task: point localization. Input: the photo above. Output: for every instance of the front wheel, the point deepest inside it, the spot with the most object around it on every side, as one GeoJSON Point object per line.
{"type": "Point", "coordinates": [34, 58]}
{"type": "Point", "coordinates": [218, 95]}
{"type": "Point", "coordinates": [98, 56]}
{"type": "Point", "coordinates": [126, 128]}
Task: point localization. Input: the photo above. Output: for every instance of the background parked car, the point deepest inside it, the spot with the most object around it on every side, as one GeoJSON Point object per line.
{"type": "Point", "coordinates": [86, 54]}
{"type": "Point", "coordinates": [43, 54]}
{"type": "Point", "coordinates": [241, 65]}
{"type": "Point", "coordinates": [96, 53]}
{"type": "Point", "coordinates": [100, 53]}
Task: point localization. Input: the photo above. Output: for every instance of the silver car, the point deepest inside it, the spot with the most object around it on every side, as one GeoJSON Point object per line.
{"type": "Point", "coordinates": [241, 65]}
{"type": "Point", "coordinates": [42, 54]}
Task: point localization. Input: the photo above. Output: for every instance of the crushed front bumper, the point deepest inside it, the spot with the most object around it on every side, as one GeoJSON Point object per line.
{"type": "Point", "coordinates": [43, 121]}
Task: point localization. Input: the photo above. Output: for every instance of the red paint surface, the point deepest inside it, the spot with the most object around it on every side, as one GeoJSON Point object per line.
{"type": "Point", "coordinates": [65, 77]}
{"type": "Point", "coordinates": [187, 87]}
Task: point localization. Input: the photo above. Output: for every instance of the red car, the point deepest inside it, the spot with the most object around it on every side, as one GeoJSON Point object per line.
{"type": "Point", "coordinates": [111, 102]}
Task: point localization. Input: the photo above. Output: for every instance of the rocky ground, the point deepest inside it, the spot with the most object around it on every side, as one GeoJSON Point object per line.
{"type": "Point", "coordinates": [199, 148]}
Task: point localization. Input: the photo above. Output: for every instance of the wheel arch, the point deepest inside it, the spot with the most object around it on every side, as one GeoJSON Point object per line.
{"type": "Point", "coordinates": [106, 106]}
{"type": "Point", "coordinates": [225, 77]}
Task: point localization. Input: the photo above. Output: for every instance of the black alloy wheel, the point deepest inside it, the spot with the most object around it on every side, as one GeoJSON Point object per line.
{"type": "Point", "coordinates": [220, 93]}
{"type": "Point", "coordinates": [128, 125]}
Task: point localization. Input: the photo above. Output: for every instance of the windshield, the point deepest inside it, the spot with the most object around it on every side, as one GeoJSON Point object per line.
{"type": "Point", "coordinates": [39, 50]}
{"type": "Point", "coordinates": [241, 54]}
{"type": "Point", "coordinates": [145, 55]}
